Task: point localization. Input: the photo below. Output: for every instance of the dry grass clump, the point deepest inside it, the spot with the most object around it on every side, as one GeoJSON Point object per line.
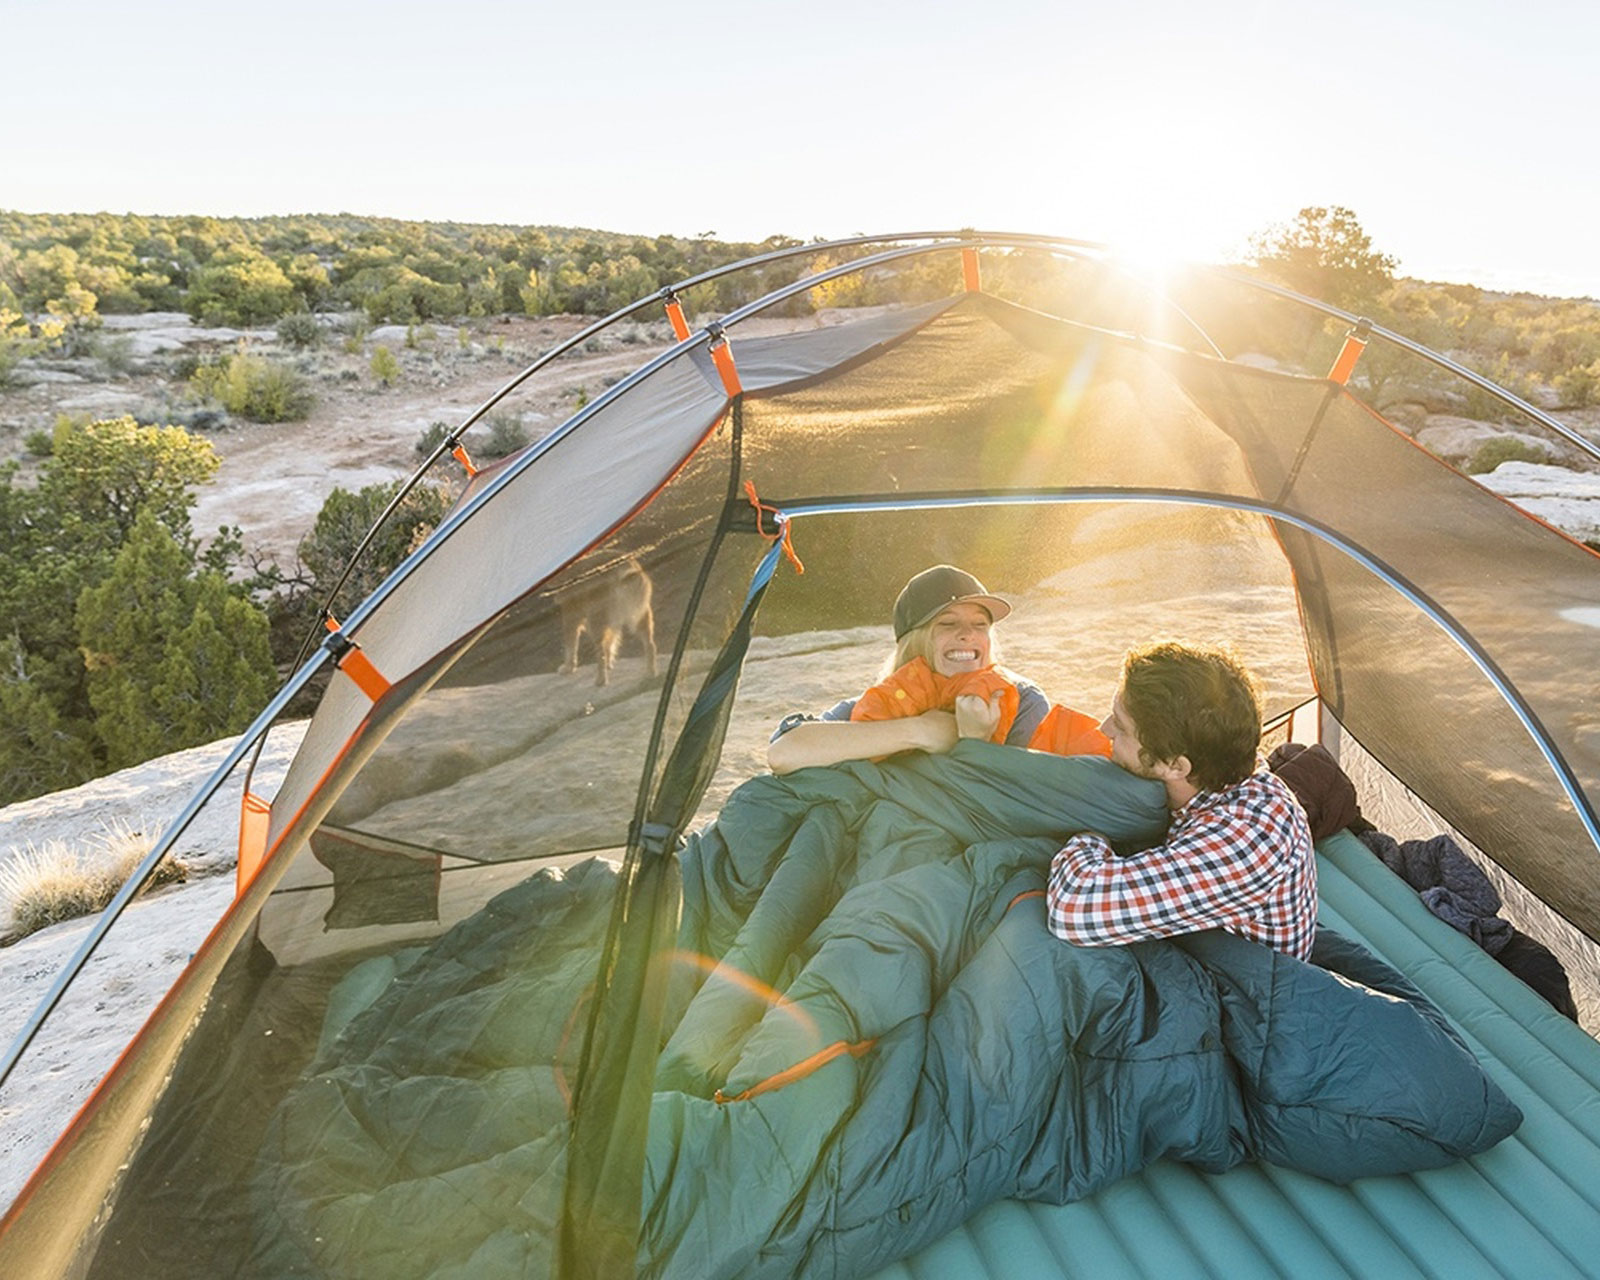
{"type": "Point", "coordinates": [46, 884]}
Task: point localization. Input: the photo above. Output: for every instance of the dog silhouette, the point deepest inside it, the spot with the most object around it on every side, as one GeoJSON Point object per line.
{"type": "Point", "coordinates": [616, 602]}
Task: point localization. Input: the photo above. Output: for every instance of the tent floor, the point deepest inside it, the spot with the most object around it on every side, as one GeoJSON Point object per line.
{"type": "Point", "coordinates": [1528, 1208]}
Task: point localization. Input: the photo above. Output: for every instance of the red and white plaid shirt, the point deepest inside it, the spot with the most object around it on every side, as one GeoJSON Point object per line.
{"type": "Point", "coordinates": [1238, 859]}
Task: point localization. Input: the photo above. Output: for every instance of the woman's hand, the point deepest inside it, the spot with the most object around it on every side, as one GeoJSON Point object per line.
{"type": "Point", "coordinates": [977, 717]}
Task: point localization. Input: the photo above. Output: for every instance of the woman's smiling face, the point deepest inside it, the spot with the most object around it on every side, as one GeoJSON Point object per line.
{"type": "Point", "coordinates": [959, 639]}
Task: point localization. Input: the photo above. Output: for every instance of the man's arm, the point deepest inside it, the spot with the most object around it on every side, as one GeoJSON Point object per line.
{"type": "Point", "coordinates": [1215, 870]}
{"type": "Point", "coordinates": [822, 742]}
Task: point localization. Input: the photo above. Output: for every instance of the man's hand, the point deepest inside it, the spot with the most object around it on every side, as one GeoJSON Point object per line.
{"type": "Point", "coordinates": [932, 731]}
{"type": "Point", "coordinates": [977, 718]}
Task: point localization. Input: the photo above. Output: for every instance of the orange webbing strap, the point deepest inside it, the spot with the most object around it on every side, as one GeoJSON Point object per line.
{"type": "Point", "coordinates": [1023, 897]}
{"type": "Point", "coordinates": [761, 528]}
{"type": "Point", "coordinates": [355, 664]}
{"type": "Point", "coordinates": [255, 814]}
{"type": "Point", "coordinates": [1355, 342]}
{"type": "Point", "coordinates": [799, 1071]}
{"type": "Point", "coordinates": [680, 326]}
{"type": "Point", "coordinates": [969, 270]}
{"type": "Point", "coordinates": [460, 454]}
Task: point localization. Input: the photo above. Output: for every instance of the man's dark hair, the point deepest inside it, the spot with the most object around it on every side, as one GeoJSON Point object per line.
{"type": "Point", "coordinates": [1194, 702]}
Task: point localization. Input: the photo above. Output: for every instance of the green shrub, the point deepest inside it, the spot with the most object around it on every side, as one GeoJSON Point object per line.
{"type": "Point", "coordinates": [173, 656]}
{"type": "Point", "coordinates": [385, 368]}
{"type": "Point", "coordinates": [1503, 372]}
{"type": "Point", "coordinates": [255, 388]}
{"type": "Point", "coordinates": [114, 352]}
{"type": "Point", "coordinates": [356, 327]}
{"type": "Point", "coordinates": [41, 443]}
{"type": "Point", "coordinates": [1491, 453]}
{"type": "Point", "coordinates": [240, 287]}
{"type": "Point", "coordinates": [1579, 386]}
{"type": "Point", "coordinates": [343, 522]}
{"type": "Point", "coordinates": [506, 435]}
{"type": "Point", "coordinates": [299, 329]}
{"type": "Point", "coordinates": [429, 440]}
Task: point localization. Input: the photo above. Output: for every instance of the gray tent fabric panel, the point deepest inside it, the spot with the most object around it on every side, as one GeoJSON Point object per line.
{"type": "Point", "coordinates": [771, 363]}
{"type": "Point", "coordinates": [1529, 1208]}
{"type": "Point", "coordinates": [964, 404]}
{"type": "Point", "coordinates": [1515, 584]}
{"type": "Point", "coordinates": [1517, 588]}
{"type": "Point", "coordinates": [582, 487]}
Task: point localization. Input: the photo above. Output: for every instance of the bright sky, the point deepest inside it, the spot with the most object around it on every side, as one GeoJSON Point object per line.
{"type": "Point", "coordinates": [1462, 132]}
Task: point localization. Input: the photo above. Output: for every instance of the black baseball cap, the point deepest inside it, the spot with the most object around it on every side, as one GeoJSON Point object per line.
{"type": "Point", "coordinates": [936, 589]}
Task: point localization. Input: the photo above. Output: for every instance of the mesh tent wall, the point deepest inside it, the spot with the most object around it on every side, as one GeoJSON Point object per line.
{"type": "Point", "coordinates": [1444, 628]}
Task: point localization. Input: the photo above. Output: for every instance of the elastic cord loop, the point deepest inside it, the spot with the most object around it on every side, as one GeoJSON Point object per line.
{"type": "Point", "coordinates": [784, 530]}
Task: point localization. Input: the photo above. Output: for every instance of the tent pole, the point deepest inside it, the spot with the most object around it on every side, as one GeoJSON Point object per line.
{"type": "Point", "coordinates": [798, 509]}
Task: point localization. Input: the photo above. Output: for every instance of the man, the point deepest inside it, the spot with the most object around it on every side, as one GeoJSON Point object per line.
{"type": "Point", "coordinates": [1238, 854]}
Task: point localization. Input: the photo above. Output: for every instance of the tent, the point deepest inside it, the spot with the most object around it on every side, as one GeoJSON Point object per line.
{"type": "Point", "coordinates": [1010, 403]}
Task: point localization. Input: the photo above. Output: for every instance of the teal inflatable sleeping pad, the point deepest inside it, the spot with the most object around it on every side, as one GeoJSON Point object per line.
{"type": "Point", "coordinates": [1529, 1207]}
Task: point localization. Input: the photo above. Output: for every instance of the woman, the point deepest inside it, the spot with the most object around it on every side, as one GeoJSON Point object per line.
{"type": "Point", "coordinates": [943, 685]}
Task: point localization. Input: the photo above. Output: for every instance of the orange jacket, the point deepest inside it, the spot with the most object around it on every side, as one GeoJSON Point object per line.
{"type": "Point", "coordinates": [917, 687]}
{"type": "Point", "coordinates": [1065, 732]}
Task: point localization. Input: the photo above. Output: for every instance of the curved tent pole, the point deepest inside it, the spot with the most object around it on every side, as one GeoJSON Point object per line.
{"type": "Point", "coordinates": [944, 241]}
{"type": "Point", "coordinates": [250, 739]}
{"type": "Point", "coordinates": [702, 337]}
{"type": "Point", "coordinates": [1429, 607]}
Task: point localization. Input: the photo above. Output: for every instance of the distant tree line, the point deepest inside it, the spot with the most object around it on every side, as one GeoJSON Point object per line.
{"type": "Point", "coordinates": [253, 271]}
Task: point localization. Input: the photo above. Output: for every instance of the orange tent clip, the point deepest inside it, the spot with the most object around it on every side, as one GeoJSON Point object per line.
{"type": "Point", "coordinates": [785, 527]}
{"type": "Point", "coordinates": [347, 656]}
{"type": "Point", "coordinates": [969, 271]}
{"type": "Point", "coordinates": [1355, 342]}
{"type": "Point", "coordinates": [680, 326]}
{"type": "Point", "coordinates": [460, 454]}
{"type": "Point", "coordinates": [722, 357]}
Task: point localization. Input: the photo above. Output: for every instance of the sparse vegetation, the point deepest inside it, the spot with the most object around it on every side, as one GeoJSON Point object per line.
{"type": "Point", "coordinates": [429, 440]}
{"type": "Point", "coordinates": [384, 366]}
{"type": "Point", "coordinates": [1491, 453]}
{"type": "Point", "coordinates": [50, 883]}
{"type": "Point", "coordinates": [300, 329]}
{"type": "Point", "coordinates": [255, 388]}
{"type": "Point", "coordinates": [256, 271]}
{"type": "Point", "coordinates": [506, 435]}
